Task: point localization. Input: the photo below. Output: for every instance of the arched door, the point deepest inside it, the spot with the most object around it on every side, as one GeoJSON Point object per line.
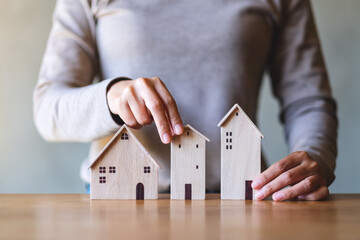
{"type": "Point", "coordinates": [140, 191]}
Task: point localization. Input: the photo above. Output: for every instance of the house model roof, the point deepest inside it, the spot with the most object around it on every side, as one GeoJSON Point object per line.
{"type": "Point", "coordinates": [196, 131]}
{"type": "Point", "coordinates": [133, 137]}
{"type": "Point", "coordinates": [236, 106]}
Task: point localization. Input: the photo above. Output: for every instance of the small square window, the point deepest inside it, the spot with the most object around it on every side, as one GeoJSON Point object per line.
{"type": "Point", "coordinates": [179, 145]}
{"type": "Point", "coordinates": [230, 133]}
{"type": "Point", "coordinates": [124, 136]}
{"type": "Point", "coordinates": [188, 133]}
{"type": "Point", "coordinates": [227, 147]}
{"type": "Point", "coordinates": [102, 169]}
{"type": "Point", "coordinates": [230, 139]}
{"type": "Point", "coordinates": [227, 133]}
{"type": "Point", "coordinates": [197, 145]}
{"type": "Point", "coordinates": [230, 146]}
{"type": "Point", "coordinates": [147, 169]}
{"type": "Point", "coordinates": [112, 169]}
{"type": "Point", "coordinates": [237, 114]}
{"type": "Point", "coordinates": [102, 179]}
{"type": "Point", "coordinates": [227, 140]}
{"type": "Point", "coordinates": [197, 166]}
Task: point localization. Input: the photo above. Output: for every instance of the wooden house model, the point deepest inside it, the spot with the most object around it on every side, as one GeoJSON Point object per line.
{"type": "Point", "coordinates": [188, 165]}
{"type": "Point", "coordinates": [240, 154]}
{"type": "Point", "coordinates": [124, 170]}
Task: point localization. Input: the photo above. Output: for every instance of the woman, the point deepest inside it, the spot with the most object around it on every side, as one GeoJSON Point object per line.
{"type": "Point", "coordinates": [158, 60]}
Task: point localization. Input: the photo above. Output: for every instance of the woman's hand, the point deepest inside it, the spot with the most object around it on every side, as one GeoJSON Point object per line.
{"type": "Point", "coordinates": [300, 172]}
{"type": "Point", "coordinates": [138, 102]}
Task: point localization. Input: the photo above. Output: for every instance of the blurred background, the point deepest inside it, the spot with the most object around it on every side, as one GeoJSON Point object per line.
{"type": "Point", "coordinates": [28, 164]}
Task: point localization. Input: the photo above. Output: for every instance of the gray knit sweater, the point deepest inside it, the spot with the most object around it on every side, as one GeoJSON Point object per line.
{"type": "Point", "coordinates": [209, 53]}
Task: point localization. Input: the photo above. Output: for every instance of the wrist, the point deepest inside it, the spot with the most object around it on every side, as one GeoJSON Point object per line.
{"type": "Point", "coordinates": [113, 113]}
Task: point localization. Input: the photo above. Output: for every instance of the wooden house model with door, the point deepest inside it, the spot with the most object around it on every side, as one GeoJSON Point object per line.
{"type": "Point", "coordinates": [124, 170]}
{"type": "Point", "coordinates": [188, 165]}
{"type": "Point", "coordinates": [240, 154]}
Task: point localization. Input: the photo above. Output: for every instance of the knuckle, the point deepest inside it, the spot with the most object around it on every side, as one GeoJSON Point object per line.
{"type": "Point", "coordinates": [288, 194]}
{"type": "Point", "coordinates": [288, 177]}
{"type": "Point", "coordinates": [306, 162]}
{"type": "Point", "coordinates": [306, 155]}
{"type": "Point", "coordinates": [157, 79]}
{"type": "Point", "coordinates": [143, 81]}
{"type": "Point", "coordinates": [268, 189]}
{"type": "Point", "coordinates": [163, 127]}
{"type": "Point", "coordinates": [308, 184]}
{"type": "Point", "coordinates": [155, 106]}
{"type": "Point", "coordinates": [174, 120]}
{"type": "Point", "coordinates": [117, 105]}
{"type": "Point", "coordinates": [145, 121]}
{"type": "Point", "coordinates": [131, 123]}
{"type": "Point", "coordinates": [263, 178]}
{"type": "Point", "coordinates": [280, 166]}
{"type": "Point", "coordinates": [314, 166]}
{"type": "Point", "coordinates": [303, 155]}
{"type": "Point", "coordinates": [118, 102]}
{"type": "Point", "coordinates": [123, 100]}
{"type": "Point", "coordinates": [169, 101]}
{"type": "Point", "coordinates": [129, 91]}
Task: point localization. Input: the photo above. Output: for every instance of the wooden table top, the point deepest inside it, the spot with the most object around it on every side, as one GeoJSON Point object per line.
{"type": "Point", "coordinates": [75, 216]}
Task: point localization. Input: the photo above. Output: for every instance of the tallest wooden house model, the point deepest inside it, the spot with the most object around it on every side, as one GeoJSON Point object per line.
{"type": "Point", "coordinates": [240, 154]}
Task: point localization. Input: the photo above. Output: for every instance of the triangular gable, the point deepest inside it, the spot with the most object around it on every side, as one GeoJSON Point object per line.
{"type": "Point", "coordinates": [236, 106]}
{"type": "Point", "coordinates": [135, 139]}
{"type": "Point", "coordinates": [197, 132]}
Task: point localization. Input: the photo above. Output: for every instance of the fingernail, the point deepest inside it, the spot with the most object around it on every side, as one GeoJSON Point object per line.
{"type": "Point", "coordinates": [166, 138]}
{"type": "Point", "coordinates": [278, 196]}
{"type": "Point", "coordinates": [255, 184]}
{"type": "Point", "coordinates": [259, 195]}
{"type": "Point", "coordinates": [178, 129]}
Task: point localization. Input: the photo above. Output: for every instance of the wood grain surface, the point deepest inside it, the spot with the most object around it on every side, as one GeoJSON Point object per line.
{"type": "Point", "coordinates": [65, 216]}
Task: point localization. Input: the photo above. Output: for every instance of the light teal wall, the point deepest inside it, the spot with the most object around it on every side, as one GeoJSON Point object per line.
{"type": "Point", "coordinates": [30, 165]}
{"type": "Point", "coordinates": [27, 163]}
{"type": "Point", "coordinates": [339, 23]}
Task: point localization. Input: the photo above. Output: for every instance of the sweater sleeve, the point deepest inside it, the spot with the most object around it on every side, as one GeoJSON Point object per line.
{"type": "Point", "coordinates": [300, 82]}
{"type": "Point", "coordinates": [67, 106]}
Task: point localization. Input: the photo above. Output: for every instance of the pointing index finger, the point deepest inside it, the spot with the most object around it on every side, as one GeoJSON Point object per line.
{"type": "Point", "coordinates": [156, 107]}
{"type": "Point", "coordinates": [170, 107]}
